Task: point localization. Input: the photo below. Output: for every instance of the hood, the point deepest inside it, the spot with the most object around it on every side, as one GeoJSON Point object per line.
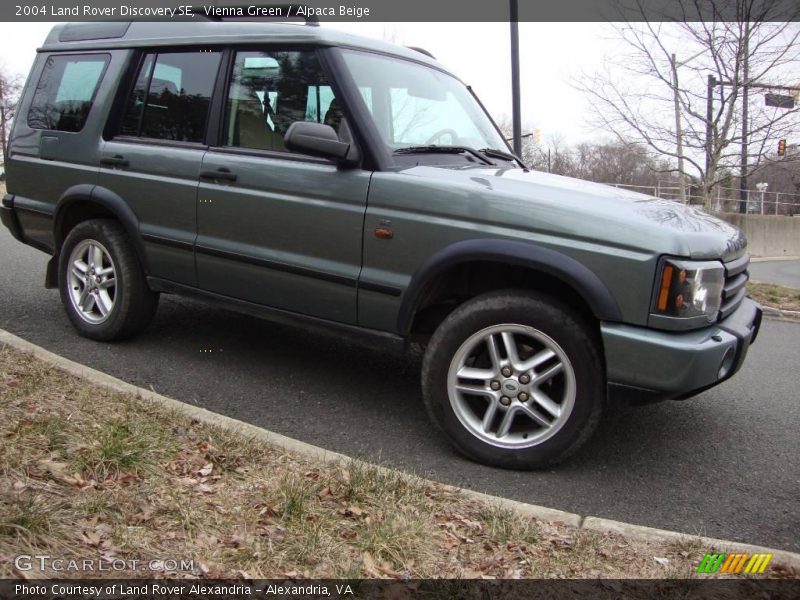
{"type": "Point", "coordinates": [589, 211]}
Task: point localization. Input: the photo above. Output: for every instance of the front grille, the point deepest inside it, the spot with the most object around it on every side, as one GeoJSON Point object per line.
{"type": "Point", "coordinates": [736, 277]}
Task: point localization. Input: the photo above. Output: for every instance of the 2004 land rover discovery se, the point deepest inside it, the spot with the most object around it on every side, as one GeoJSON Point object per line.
{"type": "Point", "coordinates": [291, 169]}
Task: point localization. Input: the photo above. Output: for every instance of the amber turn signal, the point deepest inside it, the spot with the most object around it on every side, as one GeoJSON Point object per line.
{"type": "Point", "coordinates": [666, 281]}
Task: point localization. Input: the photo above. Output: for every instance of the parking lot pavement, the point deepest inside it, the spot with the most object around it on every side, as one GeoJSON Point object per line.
{"type": "Point", "coordinates": [781, 272]}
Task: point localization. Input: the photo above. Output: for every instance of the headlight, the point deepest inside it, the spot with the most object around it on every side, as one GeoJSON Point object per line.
{"type": "Point", "coordinates": [690, 291]}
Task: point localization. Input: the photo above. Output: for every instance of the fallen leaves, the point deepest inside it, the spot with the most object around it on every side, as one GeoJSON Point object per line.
{"type": "Point", "coordinates": [145, 515]}
{"type": "Point", "coordinates": [379, 569]}
{"type": "Point", "coordinates": [354, 511]}
{"type": "Point", "coordinates": [91, 539]}
{"type": "Point", "coordinates": [57, 469]}
{"type": "Point", "coordinates": [223, 504]}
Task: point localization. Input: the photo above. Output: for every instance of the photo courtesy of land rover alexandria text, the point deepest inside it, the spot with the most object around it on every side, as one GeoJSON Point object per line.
{"type": "Point", "coordinates": [292, 170]}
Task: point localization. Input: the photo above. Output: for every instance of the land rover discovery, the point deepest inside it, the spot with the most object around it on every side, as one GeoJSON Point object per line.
{"type": "Point", "coordinates": [290, 169]}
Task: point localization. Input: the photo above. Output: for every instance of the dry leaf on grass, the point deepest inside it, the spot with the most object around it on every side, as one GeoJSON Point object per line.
{"type": "Point", "coordinates": [354, 511]}
{"type": "Point", "coordinates": [369, 565]}
{"type": "Point", "coordinates": [143, 516]}
{"type": "Point", "coordinates": [57, 469]}
{"type": "Point", "coordinates": [77, 481]}
{"type": "Point", "coordinates": [91, 539]}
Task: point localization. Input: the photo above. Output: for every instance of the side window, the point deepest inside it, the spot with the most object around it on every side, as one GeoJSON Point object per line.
{"type": "Point", "coordinates": [132, 121]}
{"type": "Point", "coordinates": [171, 96]}
{"type": "Point", "coordinates": [366, 95]}
{"type": "Point", "coordinates": [269, 91]}
{"type": "Point", "coordinates": [318, 103]}
{"type": "Point", "coordinates": [65, 92]}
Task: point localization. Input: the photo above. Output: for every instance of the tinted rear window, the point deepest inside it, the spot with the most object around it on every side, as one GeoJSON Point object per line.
{"type": "Point", "coordinates": [65, 92]}
{"type": "Point", "coordinates": [171, 96]}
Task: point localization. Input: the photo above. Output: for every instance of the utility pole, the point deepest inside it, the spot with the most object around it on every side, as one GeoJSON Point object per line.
{"type": "Point", "coordinates": [516, 118]}
{"type": "Point", "coordinates": [678, 129]}
{"type": "Point", "coordinates": [3, 114]}
{"type": "Point", "coordinates": [712, 82]}
{"type": "Point", "coordinates": [745, 125]}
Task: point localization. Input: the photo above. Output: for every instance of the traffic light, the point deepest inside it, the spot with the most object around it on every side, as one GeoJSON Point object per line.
{"type": "Point", "coordinates": [781, 147]}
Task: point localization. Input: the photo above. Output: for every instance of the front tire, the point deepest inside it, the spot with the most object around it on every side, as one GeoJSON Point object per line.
{"type": "Point", "coordinates": [102, 285]}
{"type": "Point", "coordinates": [514, 380]}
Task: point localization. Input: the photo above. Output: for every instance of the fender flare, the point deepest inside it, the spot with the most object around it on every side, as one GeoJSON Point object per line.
{"type": "Point", "coordinates": [95, 194]}
{"type": "Point", "coordinates": [560, 266]}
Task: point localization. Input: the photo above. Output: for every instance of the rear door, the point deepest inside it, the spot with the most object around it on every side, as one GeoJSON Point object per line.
{"type": "Point", "coordinates": [154, 158]}
{"type": "Point", "coordinates": [274, 227]}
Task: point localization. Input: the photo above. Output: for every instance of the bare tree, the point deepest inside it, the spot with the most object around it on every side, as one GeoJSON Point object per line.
{"type": "Point", "coordinates": [10, 88]}
{"type": "Point", "coordinates": [641, 98]}
{"type": "Point", "coordinates": [622, 164]}
{"type": "Point", "coordinates": [611, 162]}
{"type": "Point", "coordinates": [531, 149]}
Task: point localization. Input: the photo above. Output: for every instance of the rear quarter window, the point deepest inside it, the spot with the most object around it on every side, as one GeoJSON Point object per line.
{"type": "Point", "coordinates": [64, 95]}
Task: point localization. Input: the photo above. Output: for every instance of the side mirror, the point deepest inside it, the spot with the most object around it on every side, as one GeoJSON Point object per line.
{"type": "Point", "coordinates": [316, 139]}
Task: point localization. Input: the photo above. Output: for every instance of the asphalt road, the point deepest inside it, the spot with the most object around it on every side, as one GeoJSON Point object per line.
{"type": "Point", "coordinates": [726, 464]}
{"type": "Point", "coordinates": [782, 272]}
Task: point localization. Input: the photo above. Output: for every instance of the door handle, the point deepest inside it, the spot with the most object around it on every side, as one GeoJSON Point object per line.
{"type": "Point", "coordinates": [114, 161]}
{"type": "Point", "coordinates": [218, 174]}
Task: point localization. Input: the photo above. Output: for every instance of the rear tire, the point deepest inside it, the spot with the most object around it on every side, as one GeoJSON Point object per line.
{"type": "Point", "coordinates": [102, 284]}
{"type": "Point", "coordinates": [514, 380]}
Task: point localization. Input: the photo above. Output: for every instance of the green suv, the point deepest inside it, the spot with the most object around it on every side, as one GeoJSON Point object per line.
{"type": "Point", "coordinates": [293, 170]}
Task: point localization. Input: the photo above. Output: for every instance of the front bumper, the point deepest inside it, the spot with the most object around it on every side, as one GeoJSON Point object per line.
{"type": "Point", "coordinates": [646, 365]}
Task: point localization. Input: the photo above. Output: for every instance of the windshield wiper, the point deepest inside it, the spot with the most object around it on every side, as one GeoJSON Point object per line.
{"type": "Point", "coordinates": [444, 150]}
{"type": "Point", "coordinates": [493, 152]}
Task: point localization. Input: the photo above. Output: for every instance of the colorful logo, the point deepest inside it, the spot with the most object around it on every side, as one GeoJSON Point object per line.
{"type": "Point", "coordinates": [736, 563]}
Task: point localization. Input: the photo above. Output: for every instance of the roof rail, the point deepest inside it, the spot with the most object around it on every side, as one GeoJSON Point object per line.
{"type": "Point", "coordinates": [224, 12]}
{"type": "Point", "coordinates": [421, 51]}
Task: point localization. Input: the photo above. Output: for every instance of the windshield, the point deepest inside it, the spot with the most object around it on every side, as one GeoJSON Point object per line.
{"type": "Point", "coordinates": [413, 105]}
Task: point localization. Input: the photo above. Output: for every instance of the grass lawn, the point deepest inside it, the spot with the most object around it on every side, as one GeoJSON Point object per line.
{"type": "Point", "coordinates": [89, 473]}
{"type": "Point", "coordinates": [776, 296]}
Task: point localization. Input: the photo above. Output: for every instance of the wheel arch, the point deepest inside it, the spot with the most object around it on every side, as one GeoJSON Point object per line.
{"type": "Point", "coordinates": [83, 202]}
{"type": "Point", "coordinates": [555, 269]}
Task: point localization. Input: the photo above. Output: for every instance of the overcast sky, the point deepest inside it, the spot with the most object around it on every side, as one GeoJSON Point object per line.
{"type": "Point", "coordinates": [550, 55]}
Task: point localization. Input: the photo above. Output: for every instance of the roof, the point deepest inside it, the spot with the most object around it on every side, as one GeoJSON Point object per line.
{"type": "Point", "coordinates": [109, 35]}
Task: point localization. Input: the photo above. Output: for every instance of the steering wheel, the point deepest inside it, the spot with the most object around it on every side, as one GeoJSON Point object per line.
{"type": "Point", "coordinates": [442, 132]}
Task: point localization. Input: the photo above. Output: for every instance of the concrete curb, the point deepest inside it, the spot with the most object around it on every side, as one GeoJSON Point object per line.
{"type": "Point", "coordinates": [789, 559]}
{"type": "Point", "coordinates": [757, 259]}
{"type": "Point", "coordinates": [542, 513]}
{"type": "Point", "coordinates": [778, 313]}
